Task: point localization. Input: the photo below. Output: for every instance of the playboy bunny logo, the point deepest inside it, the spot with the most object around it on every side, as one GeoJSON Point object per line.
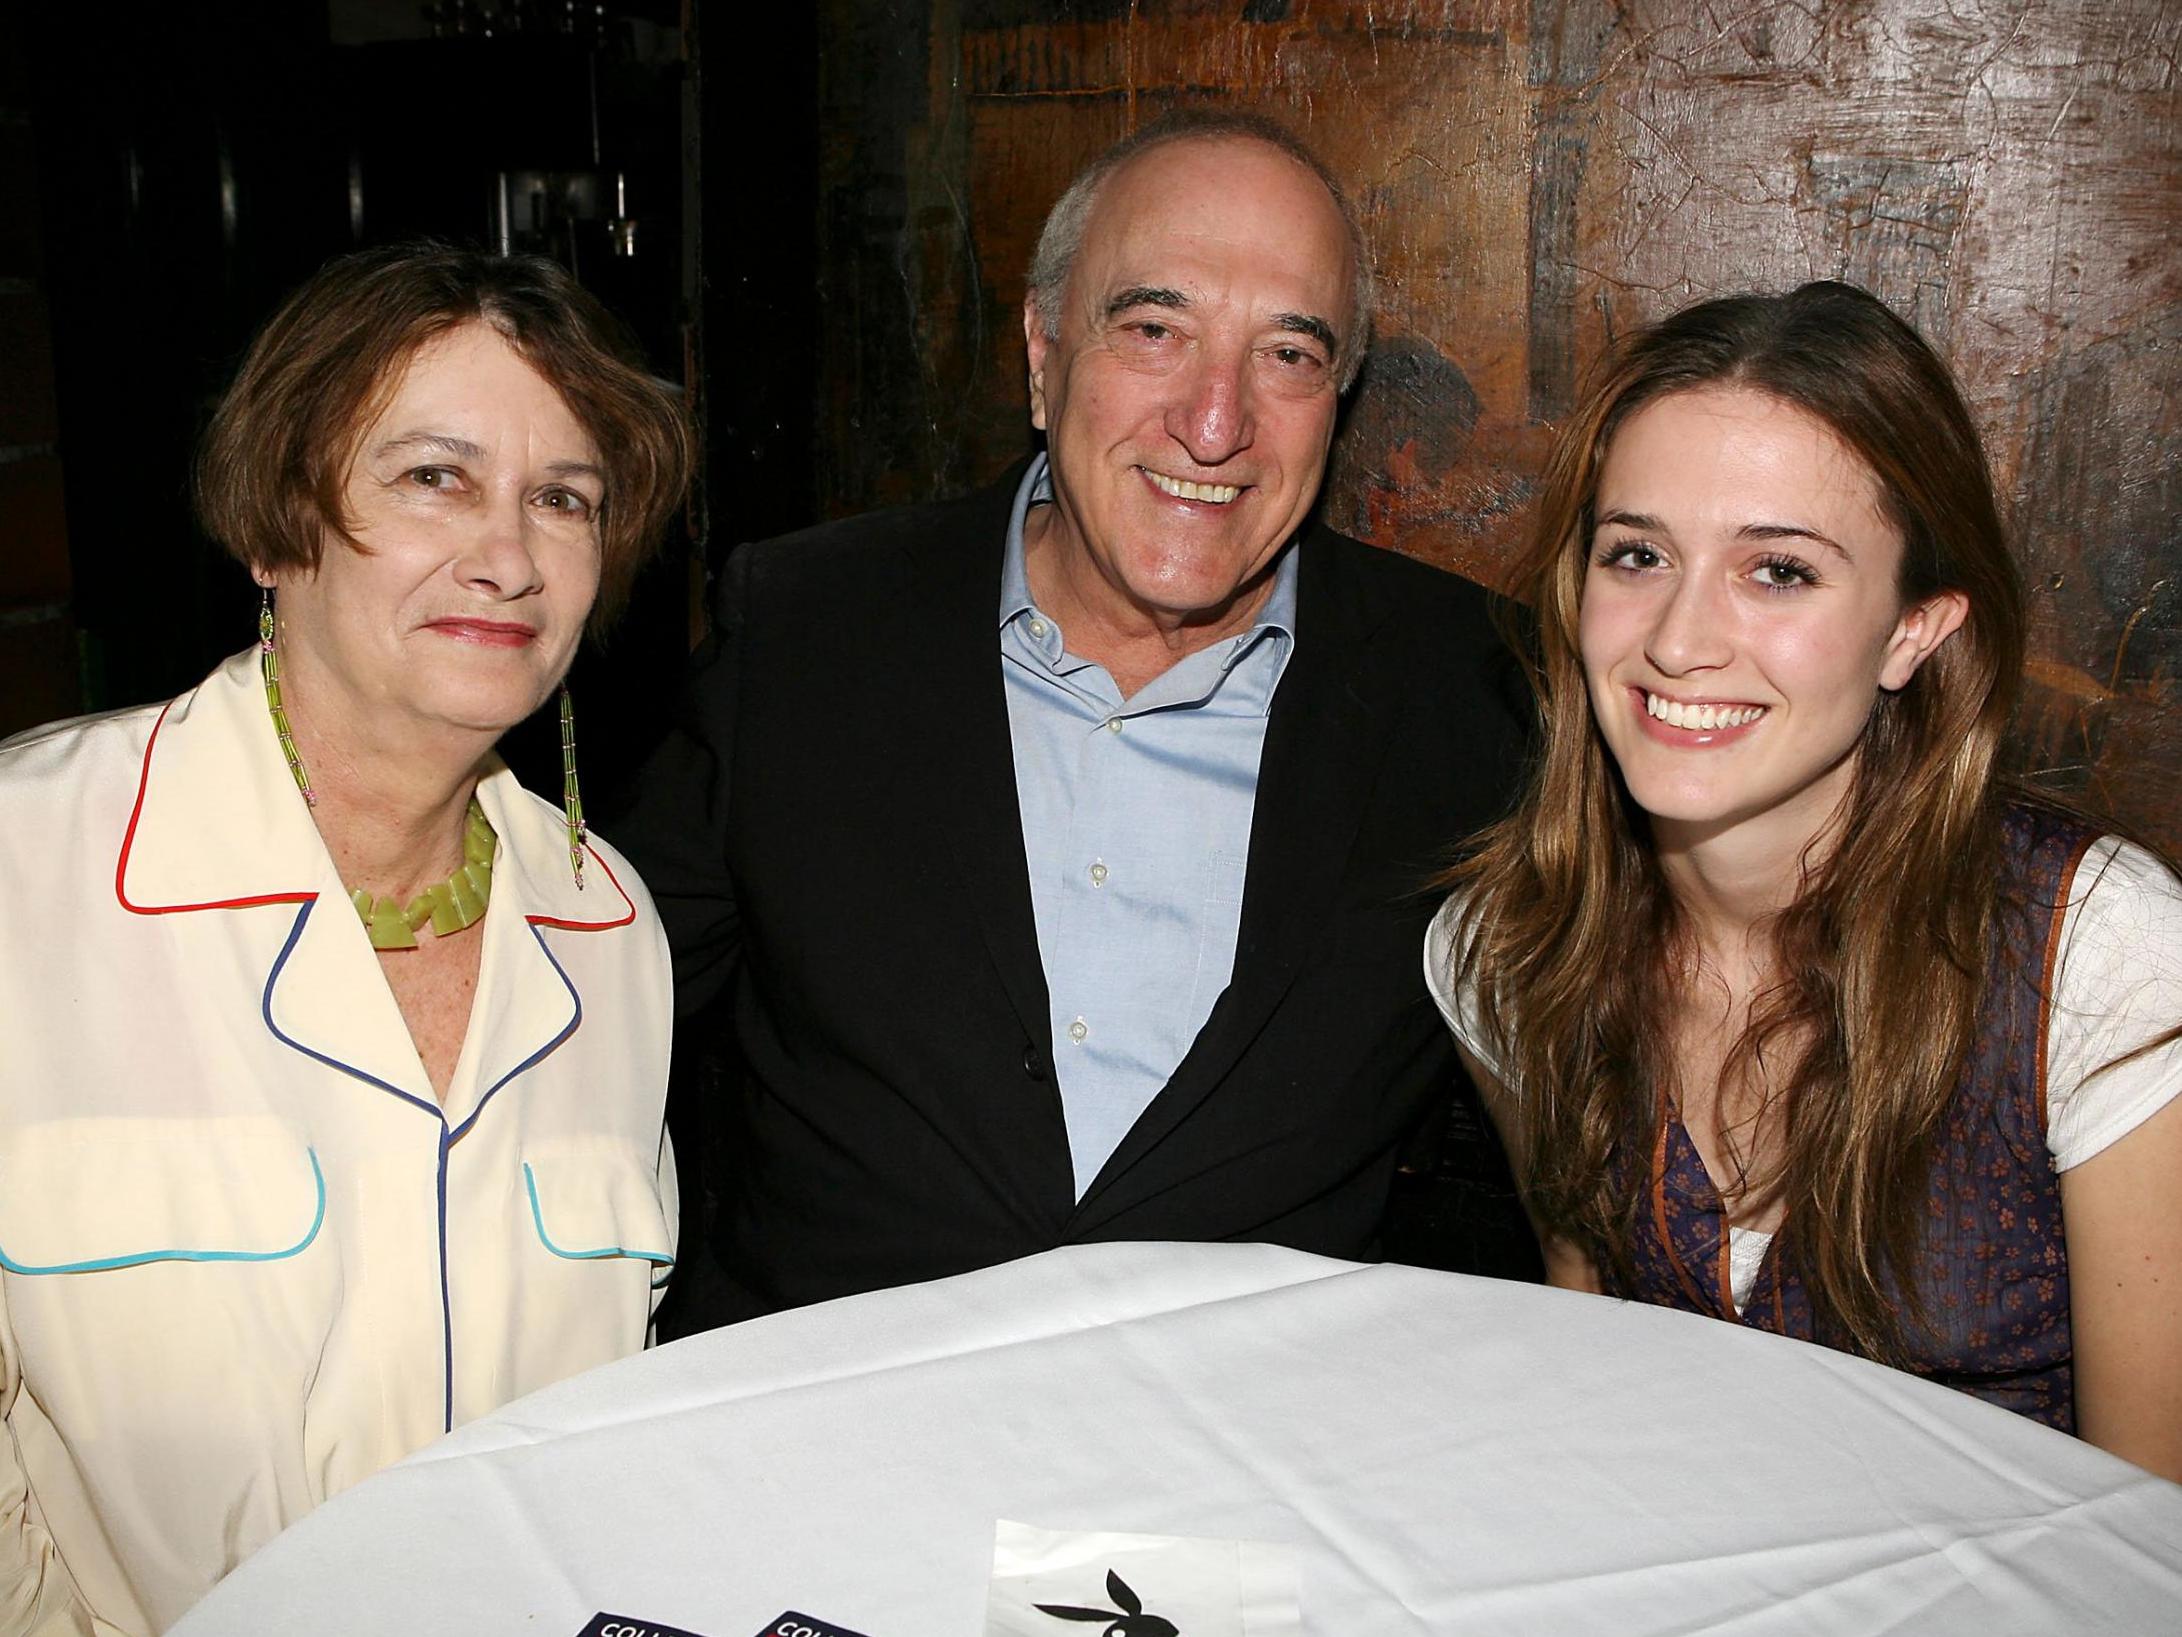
{"type": "Point", "coordinates": [1127, 1618]}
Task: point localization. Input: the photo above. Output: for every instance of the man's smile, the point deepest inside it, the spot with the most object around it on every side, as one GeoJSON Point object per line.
{"type": "Point", "coordinates": [1212, 494]}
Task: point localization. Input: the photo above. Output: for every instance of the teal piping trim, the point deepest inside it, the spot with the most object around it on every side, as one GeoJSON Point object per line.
{"type": "Point", "coordinates": [104, 1263]}
{"type": "Point", "coordinates": [530, 1181]}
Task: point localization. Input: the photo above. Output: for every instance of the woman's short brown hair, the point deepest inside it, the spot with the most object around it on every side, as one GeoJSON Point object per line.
{"type": "Point", "coordinates": [275, 458]}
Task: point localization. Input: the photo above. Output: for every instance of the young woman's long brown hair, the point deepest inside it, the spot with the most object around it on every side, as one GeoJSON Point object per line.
{"type": "Point", "coordinates": [1570, 936]}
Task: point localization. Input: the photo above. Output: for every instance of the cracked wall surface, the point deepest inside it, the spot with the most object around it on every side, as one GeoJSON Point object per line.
{"type": "Point", "coordinates": [1537, 177]}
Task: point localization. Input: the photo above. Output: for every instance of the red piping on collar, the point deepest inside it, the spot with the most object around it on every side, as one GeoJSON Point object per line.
{"type": "Point", "coordinates": [628, 904]}
{"type": "Point", "coordinates": [128, 841]}
{"type": "Point", "coordinates": [136, 812]}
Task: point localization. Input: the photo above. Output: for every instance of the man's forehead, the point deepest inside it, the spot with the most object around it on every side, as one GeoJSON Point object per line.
{"type": "Point", "coordinates": [1211, 209]}
{"type": "Point", "coordinates": [1187, 181]}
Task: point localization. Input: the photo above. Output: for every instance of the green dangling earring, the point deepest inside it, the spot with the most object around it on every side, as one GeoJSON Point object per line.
{"type": "Point", "coordinates": [571, 792]}
{"type": "Point", "coordinates": [269, 667]}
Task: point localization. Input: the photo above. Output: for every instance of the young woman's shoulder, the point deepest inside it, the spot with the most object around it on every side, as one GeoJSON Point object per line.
{"type": "Point", "coordinates": [2117, 987]}
{"type": "Point", "coordinates": [1446, 944]}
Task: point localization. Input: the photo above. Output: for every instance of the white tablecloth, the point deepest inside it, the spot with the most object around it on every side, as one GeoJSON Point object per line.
{"type": "Point", "coordinates": [1442, 1454]}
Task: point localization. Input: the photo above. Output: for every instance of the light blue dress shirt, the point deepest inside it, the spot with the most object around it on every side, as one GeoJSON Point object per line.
{"type": "Point", "coordinates": [1136, 827]}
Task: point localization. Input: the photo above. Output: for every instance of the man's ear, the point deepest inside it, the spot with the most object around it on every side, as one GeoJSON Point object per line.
{"type": "Point", "coordinates": [1035, 346]}
{"type": "Point", "coordinates": [1923, 627]}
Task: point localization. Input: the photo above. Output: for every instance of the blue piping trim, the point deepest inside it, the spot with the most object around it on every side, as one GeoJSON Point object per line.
{"type": "Point", "coordinates": [446, 1313]}
{"type": "Point", "coordinates": [530, 1182]}
{"type": "Point", "coordinates": [448, 1137]}
{"type": "Point", "coordinates": [456, 1134]}
{"type": "Point", "coordinates": [102, 1264]}
{"type": "Point", "coordinates": [446, 1298]}
{"type": "Point", "coordinates": [575, 1022]}
{"type": "Point", "coordinates": [265, 1006]}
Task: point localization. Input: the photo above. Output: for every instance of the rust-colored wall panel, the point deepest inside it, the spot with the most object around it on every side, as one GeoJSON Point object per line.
{"type": "Point", "coordinates": [2009, 179]}
{"type": "Point", "coordinates": [1538, 177]}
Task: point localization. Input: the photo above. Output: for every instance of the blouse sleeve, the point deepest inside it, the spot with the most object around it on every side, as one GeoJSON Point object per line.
{"type": "Point", "coordinates": [1456, 1000]}
{"type": "Point", "coordinates": [37, 1598]}
{"type": "Point", "coordinates": [2117, 984]}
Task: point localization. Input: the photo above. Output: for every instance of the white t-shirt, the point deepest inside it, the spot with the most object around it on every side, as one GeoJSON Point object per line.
{"type": "Point", "coordinates": [2117, 983]}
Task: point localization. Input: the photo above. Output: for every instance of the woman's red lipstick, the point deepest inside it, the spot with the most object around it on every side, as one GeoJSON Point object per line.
{"type": "Point", "coordinates": [486, 633]}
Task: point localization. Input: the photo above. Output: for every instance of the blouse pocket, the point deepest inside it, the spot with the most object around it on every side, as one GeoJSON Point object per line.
{"type": "Point", "coordinates": [88, 1196]}
{"type": "Point", "coordinates": [593, 1201]}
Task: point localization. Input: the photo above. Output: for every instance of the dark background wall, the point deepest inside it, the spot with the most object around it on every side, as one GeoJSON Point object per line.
{"type": "Point", "coordinates": [1540, 176]}
{"type": "Point", "coordinates": [37, 627]}
{"type": "Point", "coordinates": [173, 170]}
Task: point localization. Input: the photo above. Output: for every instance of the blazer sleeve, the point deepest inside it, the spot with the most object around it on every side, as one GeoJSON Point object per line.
{"type": "Point", "coordinates": [675, 824]}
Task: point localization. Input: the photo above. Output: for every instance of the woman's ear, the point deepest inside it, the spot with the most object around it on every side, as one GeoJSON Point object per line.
{"type": "Point", "coordinates": [1922, 628]}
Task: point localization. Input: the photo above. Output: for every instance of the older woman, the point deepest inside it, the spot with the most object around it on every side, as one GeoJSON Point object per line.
{"type": "Point", "coordinates": [1791, 1010]}
{"type": "Point", "coordinates": [331, 1104]}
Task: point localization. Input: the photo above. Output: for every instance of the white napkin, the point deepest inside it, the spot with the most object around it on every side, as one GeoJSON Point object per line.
{"type": "Point", "coordinates": [1137, 1585]}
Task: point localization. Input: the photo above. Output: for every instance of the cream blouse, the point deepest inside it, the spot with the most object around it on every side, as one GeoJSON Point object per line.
{"type": "Point", "coordinates": [245, 1257]}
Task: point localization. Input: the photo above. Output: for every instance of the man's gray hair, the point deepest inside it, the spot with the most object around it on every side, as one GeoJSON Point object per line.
{"type": "Point", "coordinates": [1062, 236]}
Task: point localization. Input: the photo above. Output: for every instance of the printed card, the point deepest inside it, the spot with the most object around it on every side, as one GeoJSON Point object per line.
{"type": "Point", "coordinates": [1054, 1582]}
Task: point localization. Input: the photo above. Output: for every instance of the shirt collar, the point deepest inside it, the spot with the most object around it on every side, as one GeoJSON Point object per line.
{"type": "Point", "coordinates": [1277, 617]}
{"type": "Point", "coordinates": [1036, 487]}
{"type": "Point", "coordinates": [218, 822]}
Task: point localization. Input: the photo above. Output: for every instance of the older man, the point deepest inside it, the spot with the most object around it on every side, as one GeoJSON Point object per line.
{"type": "Point", "coordinates": [1064, 846]}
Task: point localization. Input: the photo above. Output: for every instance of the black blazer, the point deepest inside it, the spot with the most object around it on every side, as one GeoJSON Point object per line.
{"type": "Point", "coordinates": [832, 833]}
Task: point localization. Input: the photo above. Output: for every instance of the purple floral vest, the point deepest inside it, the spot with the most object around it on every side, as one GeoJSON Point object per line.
{"type": "Point", "coordinates": [1992, 1264]}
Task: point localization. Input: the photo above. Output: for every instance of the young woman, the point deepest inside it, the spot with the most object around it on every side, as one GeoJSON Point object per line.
{"type": "Point", "coordinates": [1790, 1009]}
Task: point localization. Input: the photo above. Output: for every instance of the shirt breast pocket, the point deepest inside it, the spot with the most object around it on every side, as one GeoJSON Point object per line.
{"type": "Point", "coordinates": [1228, 873]}
{"type": "Point", "coordinates": [100, 1195]}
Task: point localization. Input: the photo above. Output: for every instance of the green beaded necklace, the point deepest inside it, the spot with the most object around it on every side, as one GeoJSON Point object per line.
{"type": "Point", "coordinates": [452, 905]}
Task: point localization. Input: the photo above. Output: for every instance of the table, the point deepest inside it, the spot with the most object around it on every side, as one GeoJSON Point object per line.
{"type": "Point", "coordinates": [1442, 1454]}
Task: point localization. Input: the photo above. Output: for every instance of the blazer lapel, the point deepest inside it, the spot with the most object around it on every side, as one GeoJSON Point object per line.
{"type": "Point", "coordinates": [972, 762]}
{"type": "Point", "coordinates": [1323, 746]}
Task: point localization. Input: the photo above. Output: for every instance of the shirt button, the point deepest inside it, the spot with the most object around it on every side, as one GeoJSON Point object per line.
{"type": "Point", "coordinates": [1098, 875]}
{"type": "Point", "coordinates": [1038, 629]}
{"type": "Point", "coordinates": [1113, 724]}
{"type": "Point", "coordinates": [1078, 1030]}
